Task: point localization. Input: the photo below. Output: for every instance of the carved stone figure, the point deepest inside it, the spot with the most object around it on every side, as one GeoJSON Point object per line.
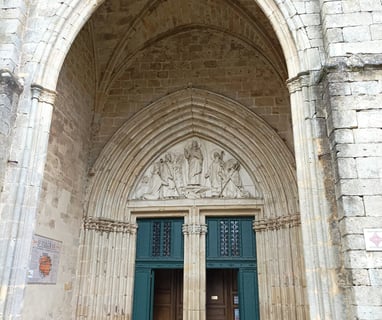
{"type": "Point", "coordinates": [194, 156]}
{"type": "Point", "coordinates": [233, 185]}
{"type": "Point", "coordinates": [216, 174]}
{"type": "Point", "coordinates": [155, 184]}
{"type": "Point", "coordinates": [167, 174]}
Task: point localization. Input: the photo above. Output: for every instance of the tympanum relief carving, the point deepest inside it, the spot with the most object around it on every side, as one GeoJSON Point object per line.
{"type": "Point", "coordinates": [195, 169]}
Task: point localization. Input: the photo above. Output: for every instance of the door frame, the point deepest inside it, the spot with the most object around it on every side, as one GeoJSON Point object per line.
{"type": "Point", "coordinates": [194, 230]}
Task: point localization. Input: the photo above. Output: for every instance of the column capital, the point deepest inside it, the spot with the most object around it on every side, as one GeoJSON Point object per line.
{"type": "Point", "coordinates": [43, 94]}
{"type": "Point", "coordinates": [298, 82]}
{"type": "Point", "coordinates": [194, 228]}
{"type": "Point", "coordinates": [109, 225]}
{"type": "Point", "coordinates": [281, 222]}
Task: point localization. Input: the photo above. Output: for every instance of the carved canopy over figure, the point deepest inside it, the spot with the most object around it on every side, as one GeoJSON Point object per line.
{"type": "Point", "coordinates": [194, 156]}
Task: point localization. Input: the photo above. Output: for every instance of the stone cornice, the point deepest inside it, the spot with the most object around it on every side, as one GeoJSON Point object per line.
{"type": "Point", "coordinates": [349, 63]}
{"type": "Point", "coordinates": [43, 94]}
{"type": "Point", "coordinates": [194, 228]}
{"type": "Point", "coordinates": [277, 223]}
{"type": "Point", "coordinates": [108, 225]}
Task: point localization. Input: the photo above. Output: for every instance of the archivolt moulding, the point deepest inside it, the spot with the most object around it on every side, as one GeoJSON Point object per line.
{"type": "Point", "coordinates": [193, 114]}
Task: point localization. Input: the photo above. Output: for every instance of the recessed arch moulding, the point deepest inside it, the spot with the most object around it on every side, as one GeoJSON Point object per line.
{"type": "Point", "coordinates": [254, 161]}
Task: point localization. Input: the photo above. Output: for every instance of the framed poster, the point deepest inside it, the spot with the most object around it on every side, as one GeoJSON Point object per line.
{"type": "Point", "coordinates": [45, 256]}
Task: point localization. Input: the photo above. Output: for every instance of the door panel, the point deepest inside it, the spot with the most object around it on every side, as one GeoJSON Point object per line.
{"type": "Point", "coordinates": [221, 288]}
{"type": "Point", "coordinates": [142, 306]}
{"type": "Point", "coordinates": [168, 293]}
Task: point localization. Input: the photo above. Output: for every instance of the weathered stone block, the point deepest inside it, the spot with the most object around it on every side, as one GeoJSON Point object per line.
{"type": "Point", "coordinates": [355, 225]}
{"type": "Point", "coordinates": [369, 167]}
{"type": "Point", "coordinates": [360, 259]}
{"type": "Point", "coordinates": [352, 206]}
{"type": "Point", "coordinates": [369, 119]}
{"type": "Point", "coordinates": [373, 205]}
{"type": "Point", "coordinates": [375, 277]}
{"type": "Point", "coordinates": [365, 87]}
{"type": "Point", "coordinates": [353, 242]}
{"type": "Point", "coordinates": [364, 135]}
{"type": "Point", "coordinates": [348, 19]}
{"type": "Point", "coordinates": [360, 277]}
{"type": "Point", "coordinates": [341, 136]}
{"type": "Point", "coordinates": [366, 295]}
{"type": "Point", "coordinates": [360, 186]}
{"type": "Point", "coordinates": [367, 102]}
{"type": "Point", "coordinates": [346, 168]}
{"type": "Point", "coordinates": [358, 150]}
{"type": "Point", "coordinates": [334, 35]}
{"type": "Point", "coordinates": [355, 34]}
{"type": "Point", "coordinates": [376, 31]}
{"type": "Point", "coordinates": [344, 119]}
{"type": "Point", "coordinates": [349, 6]}
{"type": "Point", "coordinates": [366, 312]}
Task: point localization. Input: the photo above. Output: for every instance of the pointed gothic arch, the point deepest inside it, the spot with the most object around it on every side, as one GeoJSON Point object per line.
{"type": "Point", "coordinates": [196, 113]}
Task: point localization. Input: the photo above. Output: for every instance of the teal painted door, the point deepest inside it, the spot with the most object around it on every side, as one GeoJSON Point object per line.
{"type": "Point", "coordinates": [231, 244]}
{"type": "Point", "coordinates": [159, 246]}
{"type": "Point", "coordinates": [143, 294]}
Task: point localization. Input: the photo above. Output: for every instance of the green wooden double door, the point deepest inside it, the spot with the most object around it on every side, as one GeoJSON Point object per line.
{"type": "Point", "coordinates": [231, 277]}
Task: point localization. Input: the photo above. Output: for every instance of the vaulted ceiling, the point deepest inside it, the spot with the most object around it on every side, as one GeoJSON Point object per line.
{"type": "Point", "coordinates": [122, 28]}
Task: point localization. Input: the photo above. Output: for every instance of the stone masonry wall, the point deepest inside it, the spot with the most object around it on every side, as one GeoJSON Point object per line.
{"type": "Point", "coordinates": [10, 89]}
{"type": "Point", "coordinates": [203, 60]}
{"type": "Point", "coordinates": [13, 16]}
{"type": "Point", "coordinates": [355, 129]}
{"type": "Point", "coordinates": [62, 198]}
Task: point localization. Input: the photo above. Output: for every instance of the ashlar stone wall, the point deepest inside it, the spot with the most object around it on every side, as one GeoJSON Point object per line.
{"type": "Point", "coordinates": [355, 131]}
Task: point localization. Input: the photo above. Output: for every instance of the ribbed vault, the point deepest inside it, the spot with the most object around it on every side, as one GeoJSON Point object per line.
{"type": "Point", "coordinates": [193, 113]}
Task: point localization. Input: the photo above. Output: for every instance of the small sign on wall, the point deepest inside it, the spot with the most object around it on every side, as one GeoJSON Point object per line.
{"type": "Point", "coordinates": [45, 256]}
{"type": "Point", "coordinates": [373, 239]}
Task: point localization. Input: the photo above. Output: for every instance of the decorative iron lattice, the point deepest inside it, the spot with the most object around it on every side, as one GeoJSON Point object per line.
{"type": "Point", "coordinates": [167, 239]}
{"type": "Point", "coordinates": [235, 239]}
{"type": "Point", "coordinates": [229, 238]}
{"type": "Point", "coordinates": [224, 238]}
{"type": "Point", "coordinates": [156, 240]}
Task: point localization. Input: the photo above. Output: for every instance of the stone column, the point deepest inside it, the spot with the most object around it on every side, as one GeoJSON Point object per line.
{"type": "Point", "coordinates": [194, 299]}
{"type": "Point", "coordinates": [106, 275]}
{"type": "Point", "coordinates": [19, 199]}
{"type": "Point", "coordinates": [280, 264]}
{"type": "Point", "coordinates": [318, 210]}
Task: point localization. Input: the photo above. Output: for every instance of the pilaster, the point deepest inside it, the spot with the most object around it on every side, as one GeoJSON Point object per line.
{"type": "Point", "coordinates": [317, 204]}
{"type": "Point", "coordinates": [194, 301]}
{"type": "Point", "coordinates": [19, 200]}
